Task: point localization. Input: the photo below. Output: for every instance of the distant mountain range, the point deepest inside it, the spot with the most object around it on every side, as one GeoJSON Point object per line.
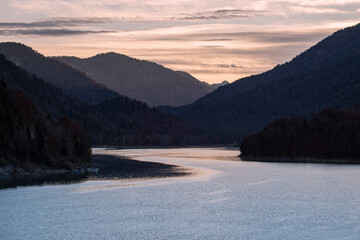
{"type": "Point", "coordinates": [70, 80]}
{"type": "Point", "coordinates": [329, 51]}
{"type": "Point", "coordinates": [105, 76]}
{"type": "Point", "coordinates": [119, 121]}
{"type": "Point", "coordinates": [142, 80]}
{"type": "Point", "coordinates": [326, 75]}
{"type": "Point", "coordinates": [217, 85]}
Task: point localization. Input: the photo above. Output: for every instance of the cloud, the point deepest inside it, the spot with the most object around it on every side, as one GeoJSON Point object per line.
{"type": "Point", "coordinates": [314, 7]}
{"type": "Point", "coordinates": [53, 27]}
{"type": "Point", "coordinates": [56, 22]}
{"type": "Point", "coordinates": [180, 10]}
{"type": "Point", "coordinates": [217, 39]}
{"type": "Point", "coordinates": [131, 8]}
{"type": "Point", "coordinates": [281, 37]}
{"type": "Point", "coordinates": [220, 14]}
{"type": "Point", "coordinates": [214, 39]}
{"type": "Point", "coordinates": [212, 46]}
{"type": "Point", "coordinates": [229, 66]}
{"type": "Point", "coordinates": [220, 36]}
{"type": "Point", "coordinates": [48, 32]}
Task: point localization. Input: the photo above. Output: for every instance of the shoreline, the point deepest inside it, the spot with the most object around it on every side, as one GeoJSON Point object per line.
{"type": "Point", "coordinates": [116, 167]}
{"type": "Point", "coordinates": [18, 171]}
{"type": "Point", "coordinates": [255, 158]}
{"type": "Point", "coordinates": [168, 147]}
{"type": "Point", "coordinates": [110, 168]}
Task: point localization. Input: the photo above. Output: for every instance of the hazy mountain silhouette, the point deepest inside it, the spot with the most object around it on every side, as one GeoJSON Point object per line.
{"type": "Point", "coordinates": [120, 121]}
{"type": "Point", "coordinates": [142, 80]}
{"type": "Point", "coordinates": [326, 75]}
{"type": "Point", "coordinates": [217, 85]}
{"type": "Point", "coordinates": [70, 80]}
{"type": "Point", "coordinates": [333, 49]}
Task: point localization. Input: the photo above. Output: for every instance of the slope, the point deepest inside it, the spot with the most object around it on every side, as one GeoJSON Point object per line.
{"type": "Point", "coordinates": [142, 80]}
{"type": "Point", "coordinates": [70, 80]}
{"type": "Point", "coordinates": [115, 122]}
{"type": "Point", "coordinates": [331, 50]}
{"type": "Point", "coordinates": [29, 139]}
{"type": "Point", "coordinates": [249, 104]}
{"type": "Point", "coordinates": [303, 94]}
{"type": "Point", "coordinates": [330, 134]}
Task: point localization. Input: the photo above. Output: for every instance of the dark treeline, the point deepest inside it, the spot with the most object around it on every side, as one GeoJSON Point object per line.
{"type": "Point", "coordinates": [29, 139]}
{"type": "Point", "coordinates": [332, 134]}
{"type": "Point", "coordinates": [137, 124]}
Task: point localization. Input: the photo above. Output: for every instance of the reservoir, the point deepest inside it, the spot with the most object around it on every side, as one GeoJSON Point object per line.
{"type": "Point", "coordinates": [221, 197]}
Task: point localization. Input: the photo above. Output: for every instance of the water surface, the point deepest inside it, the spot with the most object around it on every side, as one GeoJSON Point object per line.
{"type": "Point", "coordinates": [224, 199]}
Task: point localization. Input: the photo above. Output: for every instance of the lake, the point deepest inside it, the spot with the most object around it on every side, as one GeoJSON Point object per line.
{"type": "Point", "coordinates": [223, 198]}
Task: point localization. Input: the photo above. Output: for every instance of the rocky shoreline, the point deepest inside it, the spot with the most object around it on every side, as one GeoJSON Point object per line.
{"type": "Point", "coordinates": [17, 171]}
{"type": "Point", "coordinates": [103, 167]}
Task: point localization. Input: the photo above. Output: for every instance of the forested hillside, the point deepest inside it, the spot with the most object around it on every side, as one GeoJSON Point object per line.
{"type": "Point", "coordinates": [140, 125]}
{"type": "Point", "coordinates": [333, 134]}
{"type": "Point", "coordinates": [334, 86]}
{"type": "Point", "coordinates": [326, 75]}
{"type": "Point", "coordinates": [121, 121]}
{"type": "Point", "coordinates": [29, 139]}
{"type": "Point", "coordinates": [331, 50]}
{"type": "Point", "coordinates": [70, 80]}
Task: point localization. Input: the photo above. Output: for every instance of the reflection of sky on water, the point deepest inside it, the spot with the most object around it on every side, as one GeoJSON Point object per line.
{"type": "Point", "coordinates": [225, 200]}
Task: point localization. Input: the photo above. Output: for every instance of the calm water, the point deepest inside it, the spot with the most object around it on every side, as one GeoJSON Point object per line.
{"type": "Point", "coordinates": [225, 199]}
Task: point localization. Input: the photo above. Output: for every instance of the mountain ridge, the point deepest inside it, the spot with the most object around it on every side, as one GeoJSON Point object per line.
{"type": "Point", "coordinates": [143, 80]}
{"type": "Point", "coordinates": [71, 80]}
{"type": "Point", "coordinates": [325, 52]}
{"type": "Point", "coordinates": [243, 107]}
{"type": "Point", "coordinates": [122, 121]}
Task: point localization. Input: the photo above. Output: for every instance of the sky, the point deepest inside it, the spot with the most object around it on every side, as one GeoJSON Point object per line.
{"type": "Point", "coordinates": [212, 40]}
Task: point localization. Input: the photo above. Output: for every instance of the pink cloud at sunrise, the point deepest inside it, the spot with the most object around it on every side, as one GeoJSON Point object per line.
{"type": "Point", "coordinates": [213, 40]}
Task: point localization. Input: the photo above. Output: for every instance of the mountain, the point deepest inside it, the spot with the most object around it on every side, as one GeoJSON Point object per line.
{"type": "Point", "coordinates": [140, 125]}
{"type": "Point", "coordinates": [333, 49]}
{"type": "Point", "coordinates": [330, 134]}
{"type": "Point", "coordinates": [326, 75]}
{"type": "Point", "coordinates": [119, 121]}
{"type": "Point", "coordinates": [30, 139]}
{"type": "Point", "coordinates": [142, 80]}
{"type": "Point", "coordinates": [70, 80]}
{"type": "Point", "coordinates": [213, 86]}
{"type": "Point", "coordinates": [217, 85]}
{"type": "Point", "coordinates": [50, 99]}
